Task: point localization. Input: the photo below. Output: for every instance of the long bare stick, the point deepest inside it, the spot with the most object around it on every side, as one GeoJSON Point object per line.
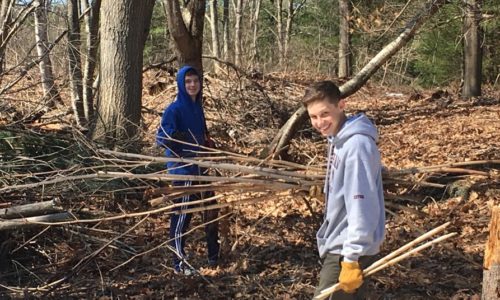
{"type": "Point", "coordinates": [383, 263]}
{"type": "Point", "coordinates": [408, 246]}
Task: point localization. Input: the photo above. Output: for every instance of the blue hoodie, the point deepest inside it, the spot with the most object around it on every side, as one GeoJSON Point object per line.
{"type": "Point", "coordinates": [354, 218]}
{"type": "Point", "coordinates": [183, 120]}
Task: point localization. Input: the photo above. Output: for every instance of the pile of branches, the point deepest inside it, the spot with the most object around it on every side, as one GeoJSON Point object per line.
{"type": "Point", "coordinates": [73, 169]}
{"type": "Point", "coordinates": [68, 183]}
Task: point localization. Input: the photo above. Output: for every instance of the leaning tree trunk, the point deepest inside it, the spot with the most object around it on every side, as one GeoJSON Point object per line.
{"type": "Point", "coordinates": [75, 62]}
{"type": "Point", "coordinates": [123, 32]}
{"type": "Point", "coordinates": [491, 271]}
{"type": "Point", "coordinates": [345, 39]}
{"type": "Point", "coordinates": [187, 34]}
{"type": "Point", "coordinates": [91, 26]}
{"type": "Point", "coordinates": [50, 93]}
{"type": "Point", "coordinates": [472, 49]}
{"type": "Point", "coordinates": [288, 130]}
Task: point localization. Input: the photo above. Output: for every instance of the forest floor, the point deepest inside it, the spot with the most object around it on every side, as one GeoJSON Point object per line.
{"type": "Point", "coordinates": [269, 249]}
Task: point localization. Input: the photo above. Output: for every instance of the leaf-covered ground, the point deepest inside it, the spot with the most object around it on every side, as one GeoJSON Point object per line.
{"type": "Point", "coordinates": [268, 249]}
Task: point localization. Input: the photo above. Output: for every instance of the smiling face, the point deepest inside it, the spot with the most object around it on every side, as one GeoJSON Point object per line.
{"type": "Point", "coordinates": [326, 117]}
{"type": "Point", "coordinates": [193, 85]}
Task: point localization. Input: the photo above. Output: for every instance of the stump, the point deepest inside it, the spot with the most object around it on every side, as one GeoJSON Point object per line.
{"type": "Point", "coordinates": [491, 273]}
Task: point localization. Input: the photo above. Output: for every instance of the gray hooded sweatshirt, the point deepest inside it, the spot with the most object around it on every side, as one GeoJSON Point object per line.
{"type": "Point", "coordinates": [354, 215]}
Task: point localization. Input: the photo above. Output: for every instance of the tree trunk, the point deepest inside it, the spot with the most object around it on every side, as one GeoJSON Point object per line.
{"type": "Point", "coordinates": [288, 130]}
{"type": "Point", "coordinates": [472, 49]}
{"type": "Point", "coordinates": [5, 19]}
{"type": "Point", "coordinates": [238, 18]}
{"type": "Point", "coordinates": [345, 39]}
{"type": "Point", "coordinates": [288, 28]}
{"type": "Point", "coordinates": [91, 25]}
{"type": "Point", "coordinates": [279, 31]}
{"type": "Point", "coordinates": [214, 26]}
{"type": "Point", "coordinates": [75, 62]}
{"type": "Point", "coordinates": [255, 30]}
{"type": "Point", "coordinates": [50, 93]}
{"type": "Point", "coordinates": [491, 272]}
{"type": "Point", "coordinates": [123, 32]}
{"type": "Point", "coordinates": [225, 30]}
{"type": "Point", "coordinates": [187, 34]}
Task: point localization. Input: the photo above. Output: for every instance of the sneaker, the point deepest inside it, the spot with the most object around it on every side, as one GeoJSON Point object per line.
{"type": "Point", "coordinates": [181, 269]}
{"type": "Point", "coordinates": [213, 263]}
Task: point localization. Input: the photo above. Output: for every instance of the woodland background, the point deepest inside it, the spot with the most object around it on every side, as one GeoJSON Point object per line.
{"type": "Point", "coordinates": [82, 88]}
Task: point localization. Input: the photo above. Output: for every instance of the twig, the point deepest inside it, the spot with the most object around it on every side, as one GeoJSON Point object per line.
{"type": "Point", "coordinates": [84, 261]}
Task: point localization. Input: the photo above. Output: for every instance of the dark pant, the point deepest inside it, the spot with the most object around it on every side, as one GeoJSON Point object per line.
{"type": "Point", "coordinates": [179, 223]}
{"type": "Point", "coordinates": [329, 275]}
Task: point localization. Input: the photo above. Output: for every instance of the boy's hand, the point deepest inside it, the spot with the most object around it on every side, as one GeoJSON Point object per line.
{"type": "Point", "coordinates": [351, 276]}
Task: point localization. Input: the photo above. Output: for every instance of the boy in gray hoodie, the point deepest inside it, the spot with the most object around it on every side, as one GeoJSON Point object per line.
{"type": "Point", "coordinates": [354, 222]}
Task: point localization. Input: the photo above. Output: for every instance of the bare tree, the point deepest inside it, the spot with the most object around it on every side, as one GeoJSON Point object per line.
{"type": "Point", "coordinates": [10, 22]}
{"type": "Point", "coordinates": [284, 29]}
{"type": "Point", "coordinates": [225, 29]}
{"type": "Point", "coordinates": [214, 26]}
{"type": "Point", "coordinates": [91, 26]}
{"type": "Point", "coordinates": [5, 22]}
{"type": "Point", "coordinates": [50, 92]}
{"type": "Point", "coordinates": [472, 49]}
{"type": "Point", "coordinates": [255, 28]}
{"type": "Point", "coordinates": [123, 30]}
{"type": "Point", "coordinates": [187, 32]}
{"type": "Point", "coordinates": [287, 131]}
{"type": "Point", "coordinates": [75, 62]}
{"type": "Point", "coordinates": [345, 9]}
{"type": "Point", "coordinates": [238, 19]}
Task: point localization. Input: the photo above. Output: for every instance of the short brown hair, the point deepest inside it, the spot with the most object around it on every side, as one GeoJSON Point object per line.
{"type": "Point", "coordinates": [192, 72]}
{"type": "Point", "coordinates": [322, 90]}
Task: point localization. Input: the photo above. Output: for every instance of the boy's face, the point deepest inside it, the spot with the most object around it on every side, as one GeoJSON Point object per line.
{"type": "Point", "coordinates": [326, 117]}
{"type": "Point", "coordinates": [193, 85]}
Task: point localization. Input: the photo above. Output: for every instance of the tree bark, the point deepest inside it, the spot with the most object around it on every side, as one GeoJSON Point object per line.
{"type": "Point", "coordinates": [91, 25]}
{"type": "Point", "coordinates": [75, 62]}
{"type": "Point", "coordinates": [50, 92]}
{"type": "Point", "coordinates": [187, 34]}
{"type": "Point", "coordinates": [491, 272]}
{"type": "Point", "coordinates": [288, 130]}
{"type": "Point", "coordinates": [472, 49]}
{"type": "Point", "coordinates": [123, 32]}
{"type": "Point", "coordinates": [345, 39]}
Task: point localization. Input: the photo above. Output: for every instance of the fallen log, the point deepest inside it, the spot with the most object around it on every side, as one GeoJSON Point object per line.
{"type": "Point", "coordinates": [30, 210]}
{"type": "Point", "coordinates": [34, 221]}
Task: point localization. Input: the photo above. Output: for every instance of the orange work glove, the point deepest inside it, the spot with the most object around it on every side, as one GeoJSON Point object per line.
{"type": "Point", "coordinates": [351, 276]}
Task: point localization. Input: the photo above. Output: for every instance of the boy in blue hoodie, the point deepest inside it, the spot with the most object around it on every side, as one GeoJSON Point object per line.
{"type": "Point", "coordinates": [354, 222]}
{"type": "Point", "coordinates": [184, 120]}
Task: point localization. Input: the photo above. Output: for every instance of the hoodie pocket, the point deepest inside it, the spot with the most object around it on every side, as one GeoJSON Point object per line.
{"type": "Point", "coordinates": [320, 235]}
